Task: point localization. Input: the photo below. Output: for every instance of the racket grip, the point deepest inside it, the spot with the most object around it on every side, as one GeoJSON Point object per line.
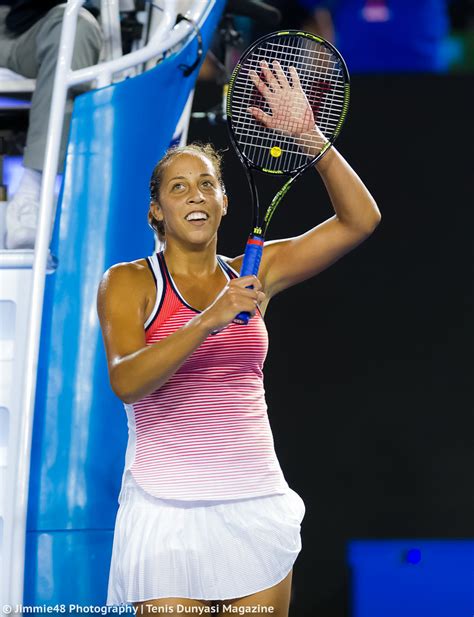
{"type": "Point", "coordinates": [250, 265]}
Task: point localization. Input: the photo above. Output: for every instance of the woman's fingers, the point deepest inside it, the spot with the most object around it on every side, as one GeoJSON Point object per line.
{"type": "Point", "coordinates": [241, 294]}
{"type": "Point", "coordinates": [274, 82]}
{"type": "Point", "coordinates": [249, 287]}
{"type": "Point", "coordinates": [295, 78]}
{"type": "Point", "coordinates": [260, 84]}
{"type": "Point", "coordinates": [269, 76]}
{"type": "Point", "coordinates": [280, 75]}
{"type": "Point", "coordinates": [247, 281]}
{"type": "Point", "coordinates": [261, 116]}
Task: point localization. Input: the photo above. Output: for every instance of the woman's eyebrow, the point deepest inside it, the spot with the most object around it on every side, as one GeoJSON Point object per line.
{"type": "Point", "coordinates": [184, 177]}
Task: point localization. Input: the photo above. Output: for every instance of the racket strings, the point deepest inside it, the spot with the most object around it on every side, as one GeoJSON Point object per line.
{"type": "Point", "coordinates": [323, 83]}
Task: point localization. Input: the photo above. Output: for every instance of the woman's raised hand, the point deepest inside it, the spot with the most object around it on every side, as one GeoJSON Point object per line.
{"type": "Point", "coordinates": [291, 112]}
{"type": "Point", "coordinates": [235, 298]}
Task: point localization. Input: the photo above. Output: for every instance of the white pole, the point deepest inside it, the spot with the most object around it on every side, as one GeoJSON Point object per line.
{"type": "Point", "coordinates": [110, 16]}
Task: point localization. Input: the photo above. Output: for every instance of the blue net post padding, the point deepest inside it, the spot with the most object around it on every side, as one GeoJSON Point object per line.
{"type": "Point", "coordinates": [117, 135]}
{"type": "Point", "coordinates": [413, 577]}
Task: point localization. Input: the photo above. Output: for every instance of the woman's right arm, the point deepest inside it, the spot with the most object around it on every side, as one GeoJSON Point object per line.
{"type": "Point", "coordinates": [136, 369]}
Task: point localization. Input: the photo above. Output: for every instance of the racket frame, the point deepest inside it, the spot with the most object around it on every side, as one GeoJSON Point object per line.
{"type": "Point", "coordinates": [255, 242]}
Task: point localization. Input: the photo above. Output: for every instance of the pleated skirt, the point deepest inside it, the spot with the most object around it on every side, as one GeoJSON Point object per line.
{"type": "Point", "coordinates": [205, 550]}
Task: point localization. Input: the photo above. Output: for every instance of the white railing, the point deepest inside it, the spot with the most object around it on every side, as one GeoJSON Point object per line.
{"type": "Point", "coordinates": [110, 20]}
{"type": "Point", "coordinates": [167, 36]}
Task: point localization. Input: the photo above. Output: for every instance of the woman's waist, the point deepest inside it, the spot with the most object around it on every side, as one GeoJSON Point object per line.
{"type": "Point", "coordinates": [204, 441]}
{"type": "Point", "coordinates": [132, 492]}
{"type": "Point", "coordinates": [207, 475]}
{"type": "Point", "coordinates": [197, 421]}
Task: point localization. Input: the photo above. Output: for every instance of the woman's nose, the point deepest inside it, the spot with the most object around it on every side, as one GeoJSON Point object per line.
{"type": "Point", "coordinates": [195, 195]}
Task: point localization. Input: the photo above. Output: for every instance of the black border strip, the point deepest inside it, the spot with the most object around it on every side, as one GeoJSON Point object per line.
{"type": "Point", "coordinates": [163, 293]}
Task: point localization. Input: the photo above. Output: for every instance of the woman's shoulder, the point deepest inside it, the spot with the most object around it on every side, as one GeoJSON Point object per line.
{"type": "Point", "coordinates": [127, 269]}
{"type": "Point", "coordinates": [133, 276]}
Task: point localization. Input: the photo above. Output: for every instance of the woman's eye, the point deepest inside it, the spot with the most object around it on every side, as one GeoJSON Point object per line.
{"type": "Point", "coordinates": [178, 186]}
{"type": "Point", "coordinates": [208, 183]}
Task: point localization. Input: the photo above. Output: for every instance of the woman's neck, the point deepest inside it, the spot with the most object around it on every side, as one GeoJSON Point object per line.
{"type": "Point", "coordinates": [185, 262]}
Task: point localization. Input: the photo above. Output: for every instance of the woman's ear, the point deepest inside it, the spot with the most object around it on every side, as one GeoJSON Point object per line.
{"type": "Point", "coordinates": [156, 210]}
{"type": "Point", "coordinates": [225, 203]}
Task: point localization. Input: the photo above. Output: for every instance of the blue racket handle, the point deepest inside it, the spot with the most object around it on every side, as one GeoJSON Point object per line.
{"type": "Point", "coordinates": [250, 265]}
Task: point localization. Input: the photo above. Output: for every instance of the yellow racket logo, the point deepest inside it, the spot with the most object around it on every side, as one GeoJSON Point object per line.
{"type": "Point", "coordinates": [275, 151]}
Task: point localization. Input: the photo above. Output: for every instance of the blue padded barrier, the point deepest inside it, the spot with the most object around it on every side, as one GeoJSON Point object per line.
{"type": "Point", "coordinates": [412, 578]}
{"type": "Point", "coordinates": [117, 135]}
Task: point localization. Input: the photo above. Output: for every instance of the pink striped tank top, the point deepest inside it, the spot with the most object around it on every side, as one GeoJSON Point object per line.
{"type": "Point", "coordinates": [205, 434]}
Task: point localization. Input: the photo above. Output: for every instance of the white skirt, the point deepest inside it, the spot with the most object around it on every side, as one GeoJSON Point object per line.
{"type": "Point", "coordinates": [206, 550]}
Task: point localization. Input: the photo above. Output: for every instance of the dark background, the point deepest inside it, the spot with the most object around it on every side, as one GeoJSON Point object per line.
{"type": "Point", "coordinates": [369, 373]}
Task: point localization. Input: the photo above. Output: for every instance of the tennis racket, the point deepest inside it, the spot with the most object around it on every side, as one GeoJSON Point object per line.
{"type": "Point", "coordinates": [286, 103]}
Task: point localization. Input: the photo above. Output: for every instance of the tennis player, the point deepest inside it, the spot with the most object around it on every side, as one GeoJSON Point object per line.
{"type": "Point", "coordinates": [207, 522]}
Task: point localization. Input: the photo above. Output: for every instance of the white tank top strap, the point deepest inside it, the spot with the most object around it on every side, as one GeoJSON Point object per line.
{"type": "Point", "coordinates": [160, 283]}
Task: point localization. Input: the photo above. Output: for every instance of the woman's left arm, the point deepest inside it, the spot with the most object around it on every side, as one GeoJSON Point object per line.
{"type": "Point", "coordinates": [287, 262]}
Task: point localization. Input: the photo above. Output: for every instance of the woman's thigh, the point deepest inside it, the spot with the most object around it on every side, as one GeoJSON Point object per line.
{"type": "Point", "coordinates": [273, 601]}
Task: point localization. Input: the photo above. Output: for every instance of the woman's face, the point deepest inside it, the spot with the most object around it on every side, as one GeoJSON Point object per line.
{"type": "Point", "coordinates": [191, 201]}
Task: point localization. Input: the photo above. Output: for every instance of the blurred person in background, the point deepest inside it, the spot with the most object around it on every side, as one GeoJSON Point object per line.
{"type": "Point", "coordinates": [461, 42]}
{"type": "Point", "coordinates": [383, 35]}
{"type": "Point", "coordinates": [30, 32]}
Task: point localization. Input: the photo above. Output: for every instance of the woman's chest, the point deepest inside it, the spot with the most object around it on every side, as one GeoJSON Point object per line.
{"type": "Point", "coordinates": [235, 349]}
{"type": "Point", "coordinates": [199, 293]}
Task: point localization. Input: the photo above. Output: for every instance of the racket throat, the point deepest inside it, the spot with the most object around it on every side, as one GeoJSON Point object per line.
{"type": "Point", "coordinates": [255, 201]}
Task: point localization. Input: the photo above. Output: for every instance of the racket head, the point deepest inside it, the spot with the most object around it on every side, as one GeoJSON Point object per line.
{"type": "Point", "coordinates": [325, 81]}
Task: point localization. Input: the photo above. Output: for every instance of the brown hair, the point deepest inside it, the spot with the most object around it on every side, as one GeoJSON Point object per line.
{"type": "Point", "coordinates": [206, 150]}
